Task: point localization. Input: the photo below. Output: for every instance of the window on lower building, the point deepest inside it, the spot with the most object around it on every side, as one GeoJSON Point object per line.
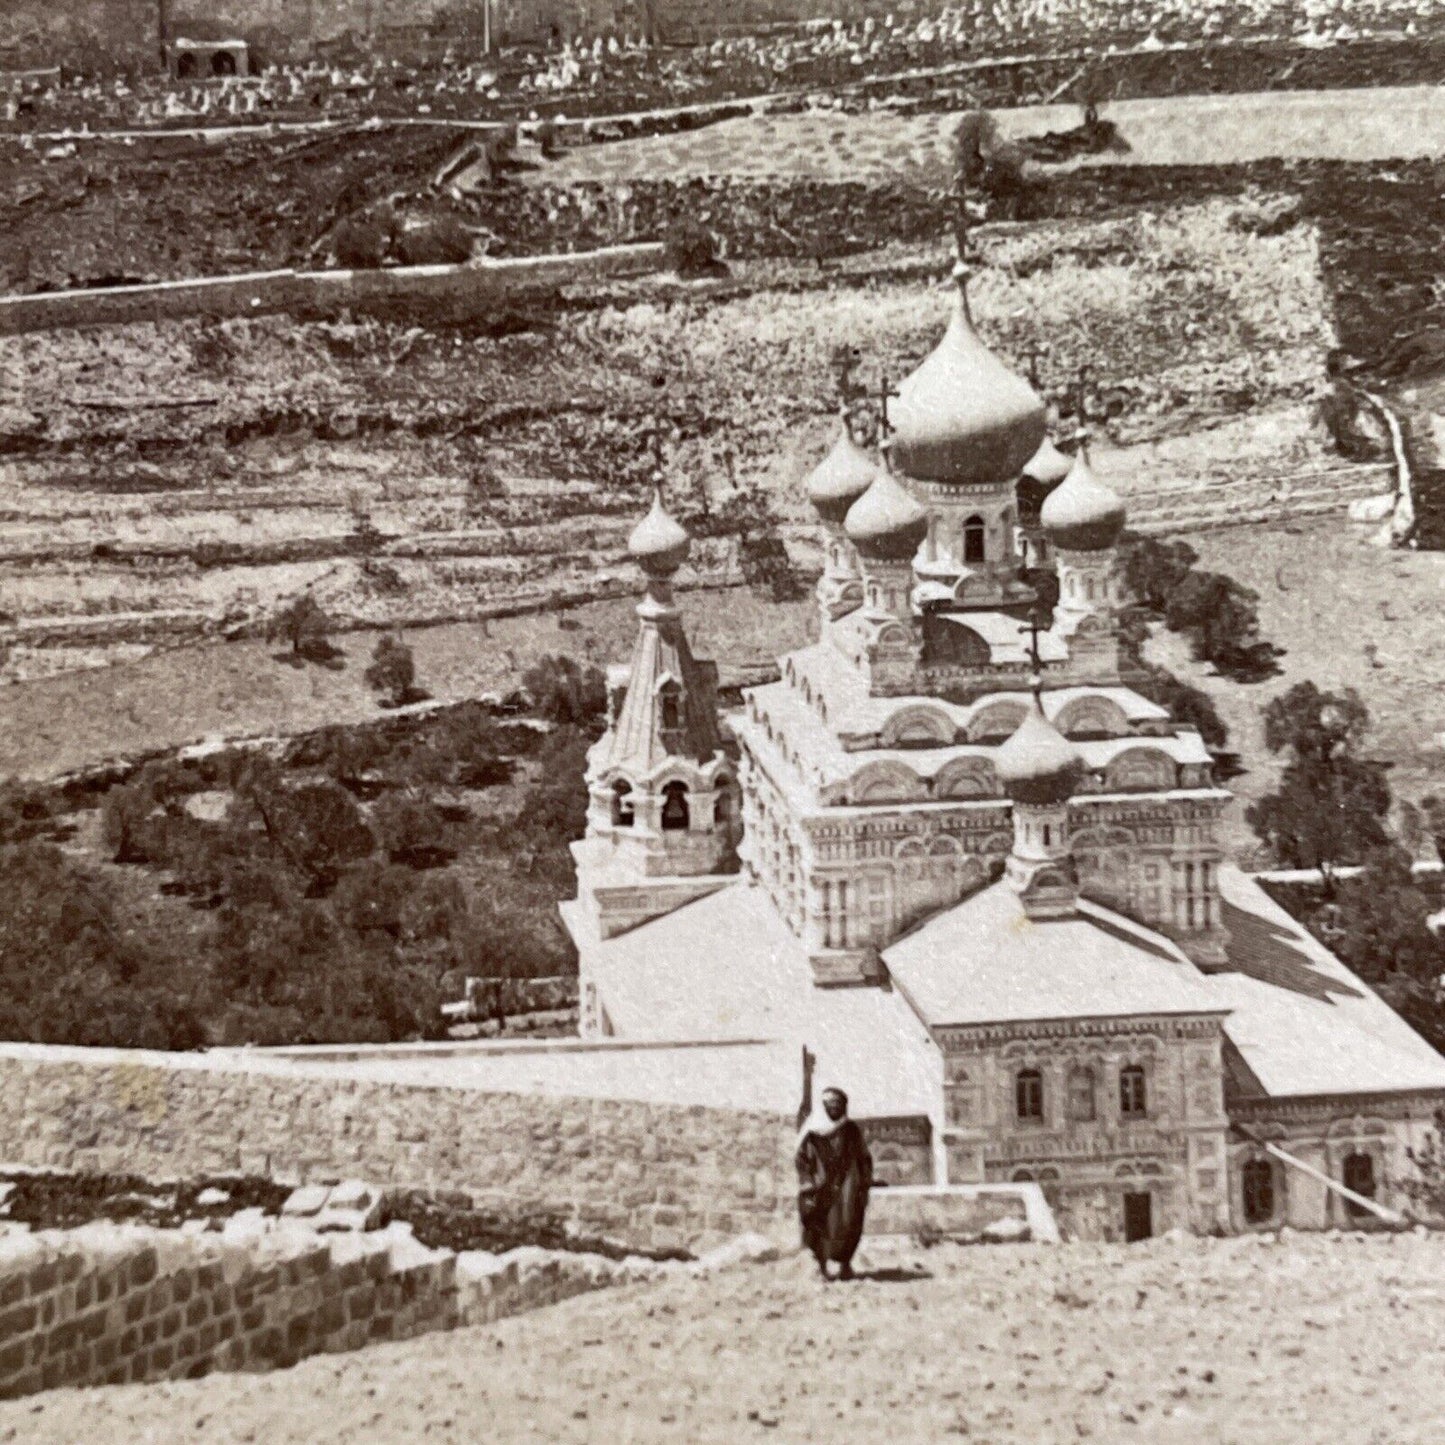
{"type": "Point", "coordinates": [973, 539]}
{"type": "Point", "coordinates": [1257, 1179]}
{"type": "Point", "coordinates": [1081, 1095]}
{"type": "Point", "coordinates": [1359, 1178]}
{"type": "Point", "coordinates": [1133, 1093]}
{"type": "Point", "coordinates": [1029, 1095]}
{"type": "Point", "coordinates": [1023, 1176]}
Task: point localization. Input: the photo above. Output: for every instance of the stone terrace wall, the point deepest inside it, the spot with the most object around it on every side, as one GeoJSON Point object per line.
{"type": "Point", "coordinates": [110, 1305]}
{"type": "Point", "coordinates": [649, 1175]}
{"type": "Point", "coordinates": [439, 295]}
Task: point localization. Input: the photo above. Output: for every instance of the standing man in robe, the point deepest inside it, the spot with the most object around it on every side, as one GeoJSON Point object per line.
{"type": "Point", "coordinates": [835, 1173]}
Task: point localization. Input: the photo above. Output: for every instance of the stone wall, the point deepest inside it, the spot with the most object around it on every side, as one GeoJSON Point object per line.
{"type": "Point", "coordinates": [648, 1175]}
{"type": "Point", "coordinates": [113, 1305]}
{"type": "Point", "coordinates": [437, 295]}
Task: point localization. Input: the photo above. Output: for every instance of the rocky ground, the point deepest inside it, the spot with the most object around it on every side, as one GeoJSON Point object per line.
{"type": "Point", "coordinates": [1288, 1341]}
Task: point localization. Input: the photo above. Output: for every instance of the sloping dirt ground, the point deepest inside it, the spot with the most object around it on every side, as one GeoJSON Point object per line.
{"type": "Point", "coordinates": [1200, 1342]}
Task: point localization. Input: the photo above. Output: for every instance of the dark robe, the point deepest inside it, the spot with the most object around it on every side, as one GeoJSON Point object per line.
{"type": "Point", "coordinates": [835, 1173]}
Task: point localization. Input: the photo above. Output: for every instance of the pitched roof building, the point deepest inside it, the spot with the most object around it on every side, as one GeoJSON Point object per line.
{"type": "Point", "coordinates": [958, 855]}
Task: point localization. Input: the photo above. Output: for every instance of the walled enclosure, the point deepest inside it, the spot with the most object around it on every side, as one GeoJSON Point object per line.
{"type": "Point", "coordinates": [647, 1175]}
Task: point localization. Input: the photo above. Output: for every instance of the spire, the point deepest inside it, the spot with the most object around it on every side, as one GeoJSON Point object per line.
{"type": "Point", "coordinates": [670, 709]}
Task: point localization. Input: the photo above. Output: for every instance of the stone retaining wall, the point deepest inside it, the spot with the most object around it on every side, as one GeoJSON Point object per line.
{"type": "Point", "coordinates": [648, 1175]}
{"type": "Point", "coordinates": [439, 295]}
{"type": "Point", "coordinates": [114, 1305]}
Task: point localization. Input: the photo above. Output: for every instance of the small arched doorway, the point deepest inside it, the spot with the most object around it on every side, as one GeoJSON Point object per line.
{"type": "Point", "coordinates": [1359, 1178]}
{"type": "Point", "coordinates": [223, 63]}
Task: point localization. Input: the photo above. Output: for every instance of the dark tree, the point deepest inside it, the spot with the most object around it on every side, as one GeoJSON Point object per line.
{"type": "Point", "coordinates": [1331, 805]}
{"type": "Point", "coordinates": [317, 827]}
{"type": "Point", "coordinates": [564, 692]}
{"type": "Point", "coordinates": [1153, 569]}
{"type": "Point", "coordinates": [392, 672]}
{"type": "Point", "coordinates": [412, 830]}
{"type": "Point", "coordinates": [304, 626]}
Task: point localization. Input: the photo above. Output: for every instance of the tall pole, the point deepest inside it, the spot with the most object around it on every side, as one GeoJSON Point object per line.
{"type": "Point", "coordinates": [163, 29]}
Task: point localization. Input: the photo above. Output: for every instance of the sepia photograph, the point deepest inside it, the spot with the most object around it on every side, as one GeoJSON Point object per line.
{"type": "Point", "coordinates": [722, 722]}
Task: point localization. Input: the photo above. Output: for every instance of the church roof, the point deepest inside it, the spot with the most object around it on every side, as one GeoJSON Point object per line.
{"type": "Point", "coordinates": [638, 743]}
{"type": "Point", "coordinates": [727, 967]}
{"type": "Point", "coordinates": [1301, 1021]}
{"type": "Point", "coordinates": [1081, 514]}
{"type": "Point", "coordinates": [841, 477]}
{"type": "Point", "coordinates": [963, 417]}
{"type": "Point", "coordinates": [985, 961]}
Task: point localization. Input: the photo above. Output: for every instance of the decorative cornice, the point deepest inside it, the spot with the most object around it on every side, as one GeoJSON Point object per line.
{"type": "Point", "coordinates": [1173, 1026]}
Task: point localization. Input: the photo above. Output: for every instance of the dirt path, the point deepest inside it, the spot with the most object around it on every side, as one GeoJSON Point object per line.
{"type": "Point", "coordinates": [1381, 123]}
{"type": "Point", "coordinates": [1199, 1342]}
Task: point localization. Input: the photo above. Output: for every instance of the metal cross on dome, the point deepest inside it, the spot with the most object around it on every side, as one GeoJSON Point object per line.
{"type": "Point", "coordinates": [1036, 681]}
{"type": "Point", "coordinates": [886, 393]}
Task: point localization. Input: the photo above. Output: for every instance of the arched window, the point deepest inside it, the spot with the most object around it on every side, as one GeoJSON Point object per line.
{"type": "Point", "coordinates": [1359, 1176]}
{"type": "Point", "coordinates": [1257, 1179]}
{"type": "Point", "coordinates": [671, 707]}
{"type": "Point", "coordinates": [973, 543]}
{"type": "Point", "coordinates": [622, 804]}
{"type": "Point", "coordinates": [223, 63]}
{"type": "Point", "coordinates": [185, 66]}
{"type": "Point", "coordinates": [1023, 1176]}
{"type": "Point", "coordinates": [722, 808]}
{"type": "Point", "coordinates": [1029, 1095]}
{"type": "Point", "coordinates": [1081, 1095]}
{"type": "Point", "coordinates": [1133, 1095]}
{"type": "Point", "coordinates": [675, 815]}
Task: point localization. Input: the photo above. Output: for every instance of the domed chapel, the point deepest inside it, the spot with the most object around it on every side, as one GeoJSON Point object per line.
{"type": "Point", "coordinates": [957, 856]}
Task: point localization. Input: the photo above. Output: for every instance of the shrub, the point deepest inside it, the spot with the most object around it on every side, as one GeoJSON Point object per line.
{"type": "Point", "coordinates": [392, 672]}
{"type": "Point", "coordinates": [303, 624]}
{"type": "Point", "coordinates": [563, 692]}
{"type": "Point", "coordinates": [443, 242]}
{"type": "Point", "coordinates": [360, 245]}
{"type": "Point", "coordinates": [692, 251]}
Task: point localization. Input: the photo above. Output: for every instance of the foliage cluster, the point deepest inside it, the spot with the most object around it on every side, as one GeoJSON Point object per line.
{"type": "Point", "coordinates": [338, 894]}
{"type": "Point", "coordinates": [1218, 615]}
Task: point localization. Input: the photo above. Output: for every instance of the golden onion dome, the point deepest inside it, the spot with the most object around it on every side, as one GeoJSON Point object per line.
{"type": "Point", "coordinates": [886, 523]}
{"type": "Point", "coordinates": [1038, 764]}
{"type": "Point", "coordinates": [1081, 514]}
{"type": "Point", "coordinates": [658, 543]}
{"type": "Point", "coordinates": [841, 478]}
{"type": "Point", "coordinates": [963, 418]}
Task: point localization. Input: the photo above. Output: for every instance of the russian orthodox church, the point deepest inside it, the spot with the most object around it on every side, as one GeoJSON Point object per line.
{"type": "Point", "coordinates": [958, 856]}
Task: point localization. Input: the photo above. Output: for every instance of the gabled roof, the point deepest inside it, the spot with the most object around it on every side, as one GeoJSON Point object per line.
{"type": "Point", "coordinates": [985, 961]}
{"type": "Point", "coordinates": [727, 967]}
{"type": "Point", "coordinates": [1303, 1024]}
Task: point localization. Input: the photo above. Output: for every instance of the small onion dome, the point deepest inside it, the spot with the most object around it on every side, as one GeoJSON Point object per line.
{"type": "Point", "coordinates": [658, 543]}
{"type": "Point", "coordinates": [1081, 514]}
{"type": "Point", "coordinates": [841, 478]}
{"type": "Point", "coordinates": [1038, 764]}
{"type": "Point", "coordinates": [963, 418]}
{"type": "Point", "coordinates": [1048, 466]}
{"type": "Point", "coordinates": [885, 522]}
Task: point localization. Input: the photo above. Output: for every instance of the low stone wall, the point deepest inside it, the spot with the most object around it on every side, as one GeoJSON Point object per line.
{"type": "Point", "coordinates": [963, 1213]}
{"type": "Point", "coordinates": [649, 1175]}
{"type": "Point", "coordinates": [112, 1305]}
{"type": "Point", "coordinates": [439, 295]}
